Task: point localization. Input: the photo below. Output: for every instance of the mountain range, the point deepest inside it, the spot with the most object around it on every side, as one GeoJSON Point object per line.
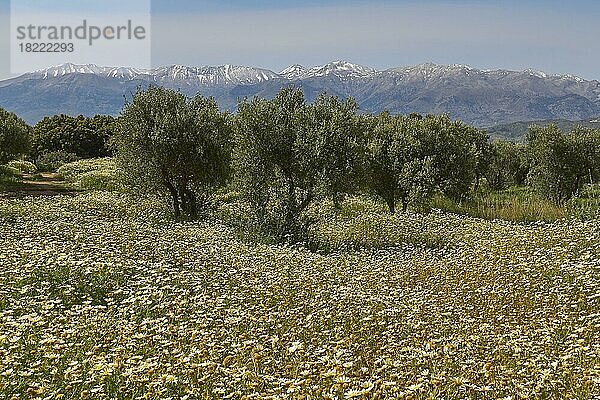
{"type": "Point", "coordinates": [484, 98]}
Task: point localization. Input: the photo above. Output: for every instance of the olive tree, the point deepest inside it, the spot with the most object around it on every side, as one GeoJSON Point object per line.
{"type": "Point", "coordinates": [277, 161]}
{"type": "Point", "coordinates": [410, 158]}
{"type": "Point", "coordinates": [561, 163]}
{"type": "Point", "coordinates": [337, 136]}
{"type": "Point", "coordinates": [179, 146]}
{"type": "Point", "coordinates": [507, 165]}
{"type": "Point", "coordinates": [457, 152]}
{"type": "Point", "coordinates": [14, 136]}
{"type": "Point", "coordinates": [399, 169]}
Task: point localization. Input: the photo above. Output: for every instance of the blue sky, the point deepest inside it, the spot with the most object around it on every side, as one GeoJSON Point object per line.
{"type": "Point", "coordinates": [553, 36]}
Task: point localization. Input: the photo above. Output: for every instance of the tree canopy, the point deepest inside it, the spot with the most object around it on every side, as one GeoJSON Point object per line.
{"type": "Point", "coordinates": [14, 136]}
{"type": "Point", "coordinates": [86, 137]}
{"type": "Point", "coordinates": [167, 142]}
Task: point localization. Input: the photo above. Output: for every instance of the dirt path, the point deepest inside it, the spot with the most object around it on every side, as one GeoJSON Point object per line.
{"type": "Point", "coordinates": [50, 184]}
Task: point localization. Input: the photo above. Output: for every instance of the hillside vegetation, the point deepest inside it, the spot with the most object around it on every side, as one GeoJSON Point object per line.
{"type": "Point", "coordinates": [517, 131]}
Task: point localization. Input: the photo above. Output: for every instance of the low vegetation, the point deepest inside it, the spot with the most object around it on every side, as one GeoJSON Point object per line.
{"type": "Point", "coordinates": [91, 174]}
{"type": "Point", "coordinates": [103, 296]}
{"type": "Point", "coordinates": [262, 255]}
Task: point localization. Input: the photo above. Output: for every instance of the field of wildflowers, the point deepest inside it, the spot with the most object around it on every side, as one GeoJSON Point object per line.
{"type": "Point", "coordinates": [103, 297]}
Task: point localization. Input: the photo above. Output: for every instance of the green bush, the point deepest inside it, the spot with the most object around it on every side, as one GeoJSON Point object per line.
{"type": "Point", "coordinates": [91, 174]}
{"type": "Point", "coordinates": [8, 172]}
{"type": "Point", "coordinates": [87, 137]}
{"type": "Point", "coordinates": [97, 180]}
{"type": "Point", "coordinates": [25, 167]}
{"type": "Point", "coordinates": [9, 176]}
{"type": "Point", "coordinates": [52, 161]}
{"type": "Point", "coordinates": [586, 204]}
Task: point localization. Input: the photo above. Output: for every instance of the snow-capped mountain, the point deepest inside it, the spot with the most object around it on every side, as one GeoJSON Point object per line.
{"type": "Point", "coordinates": [220, 75]}
{"type": "Point", "coordinates": [341, 69]}
{"type": "Point", "coordinates": [481, 97]}
{"type": "Point", "coordinates": [210, 75]}
{"type": "Point", "coordinates": [294, 72]}
{"type": "Point", "coordinates": [66, 69]}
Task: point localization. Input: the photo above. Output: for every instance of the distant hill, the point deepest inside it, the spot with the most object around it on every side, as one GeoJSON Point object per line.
{"type": "Point", "coordinates": [516, 131]}
{"type": "Point", "coordinates": [481, 98]}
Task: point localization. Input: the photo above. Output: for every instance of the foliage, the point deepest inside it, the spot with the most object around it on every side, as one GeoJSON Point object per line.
{"type": "Point", "coordinates": [277, 161]}
{"type": "Point", "coordinates": [562, 163]}
{"type": "Point", "coordinates": [338, 136]}
{"type": "Point", "coordinates": [457, 152]}
{"type": "Point", "coordinates": [179, 146]}
{"type": "Point", "coordinates": [50, 162]}
{"type": "Point", "coordinates": [508, 165]}
{"type": "Point", "coordinates": [411, 157]}
{"type": "Point", "coordinates": [14, 136]}
{"type": "Point", "coordinates": [23, 166]}
{"type": "Point", "coordinates": [84, 136]}
{"type": "Point", "coordinates": [398, 170]}
{"type": "Point", "coordinates": [92, 174]}
{"type": "Point", "coordinates": [290, 154]}
{"type": "Point", "coordinates": [10, 172]}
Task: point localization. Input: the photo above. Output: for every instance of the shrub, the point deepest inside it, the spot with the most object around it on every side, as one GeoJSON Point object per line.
{"type": "Point", "coordinates": [7, 171]}
{"type": "Point", "coordinates": [25, 167]}
{"type": "Point", "coordinates": [50, 162]}
{"type": "Point", "coordinates": [91, 174]}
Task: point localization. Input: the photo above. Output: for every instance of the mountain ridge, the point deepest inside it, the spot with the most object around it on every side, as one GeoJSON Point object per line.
{"type": "Point", "coordinates": [291, 72]}
{"type": "Point", "coordinates": [481, 97]}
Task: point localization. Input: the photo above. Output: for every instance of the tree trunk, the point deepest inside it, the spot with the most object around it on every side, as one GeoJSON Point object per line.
{"type": "Point", "coordinates": [391, 202]}
{"type": "Point", "coordinates": [175, 198]}
{"type": "Point", "coordinates": [290, 209]}
{"type": "Point", "coordinates": [192, 205]}
{"type": "Point", "coordinates": [338, 198]}
{"type": "Point", "coordinates": [404, 204]}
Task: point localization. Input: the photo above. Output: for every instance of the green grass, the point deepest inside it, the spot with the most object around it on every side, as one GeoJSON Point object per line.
{"type": "Point", "coordinates": [517, 204]}
{"type": "Point", "coordinates": [363, 224]}
{"type": "Point", "coordinates": [586, 205]}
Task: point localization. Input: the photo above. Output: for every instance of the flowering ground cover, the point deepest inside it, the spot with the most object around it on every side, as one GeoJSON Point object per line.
{"type": "Point", "coordinates": [104, 297]}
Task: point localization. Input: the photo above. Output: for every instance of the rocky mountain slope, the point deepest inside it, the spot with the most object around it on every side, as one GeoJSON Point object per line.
{"type": "Point", "coordinates": [481, 97]}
